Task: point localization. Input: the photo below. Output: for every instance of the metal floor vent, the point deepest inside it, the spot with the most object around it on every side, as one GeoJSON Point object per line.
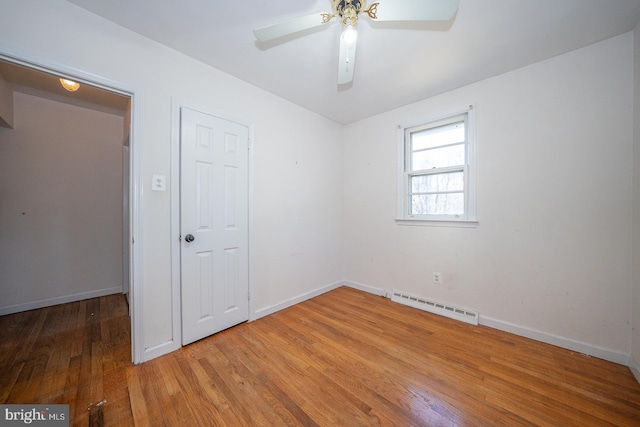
{"type": "Point", "coordinates": [446, 310]}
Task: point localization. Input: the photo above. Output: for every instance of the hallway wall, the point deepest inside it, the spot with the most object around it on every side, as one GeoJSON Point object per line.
{"type": "Point", "coordinates": [61, 204]}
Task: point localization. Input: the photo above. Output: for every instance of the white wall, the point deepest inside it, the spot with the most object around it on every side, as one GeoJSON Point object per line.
{"type": "Point", "coordinates": [297, 160]}
{"type": "Point", "coordinates": [61, 214]}
{"type": "Point", "coordinates": [552, 251]}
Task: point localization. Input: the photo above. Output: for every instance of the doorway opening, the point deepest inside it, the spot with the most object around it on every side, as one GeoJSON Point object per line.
{"type": "Point", "coordinates": [67, 175]}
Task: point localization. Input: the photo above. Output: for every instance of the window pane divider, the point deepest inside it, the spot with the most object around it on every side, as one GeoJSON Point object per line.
{"type": "Point", "coordinates": [437, 192]}
{"type": "Point", "coordinates": [432, 171]}
{"type": "Point", "coordinates": [437, 147]}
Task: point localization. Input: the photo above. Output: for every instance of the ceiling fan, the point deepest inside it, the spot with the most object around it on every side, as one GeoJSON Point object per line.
{"type": "Point", "coordinates": [348, 12]}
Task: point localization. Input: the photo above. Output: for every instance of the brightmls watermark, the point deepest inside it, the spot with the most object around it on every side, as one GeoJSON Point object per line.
{"type": "Point", "coordinates": [38, 415]}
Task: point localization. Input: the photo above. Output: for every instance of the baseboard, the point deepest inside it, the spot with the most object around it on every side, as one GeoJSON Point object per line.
{"type": "Point", "coordinates": [635, 367]}
{"type": "Point", "coordinates": [32, 305]}
{"type": "Point", "coordinates": [160, 350]}
{"type": "Point", "coordinates": [365, 288]}
{"type": "Point", "coordinates": [569, 344]}
{"type": "Point", "coordinates": [265, 311]}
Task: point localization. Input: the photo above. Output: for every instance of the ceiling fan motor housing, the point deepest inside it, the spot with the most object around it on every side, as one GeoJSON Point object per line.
{"type": "Point", "coordinates": [348, 10]}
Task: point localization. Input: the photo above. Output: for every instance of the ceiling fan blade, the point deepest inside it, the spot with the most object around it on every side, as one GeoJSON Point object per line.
{"type": "Point", "coordinates": [413, 10]}
{"type": "Point", "coordinates": [346, 61]}
{"type": "Point", "coordinates": [292, 26]}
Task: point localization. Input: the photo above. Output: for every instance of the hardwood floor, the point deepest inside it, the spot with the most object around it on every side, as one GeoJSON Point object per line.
{"type": "Point", "coordinates": [345, 358]}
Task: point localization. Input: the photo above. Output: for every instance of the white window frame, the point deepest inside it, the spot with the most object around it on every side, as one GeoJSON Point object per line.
{"type": "Point", "coordinates": [469, 218]}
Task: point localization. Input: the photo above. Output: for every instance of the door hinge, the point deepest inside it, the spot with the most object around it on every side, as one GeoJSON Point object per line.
{"type": "Point", "coordinates": [179, 237]}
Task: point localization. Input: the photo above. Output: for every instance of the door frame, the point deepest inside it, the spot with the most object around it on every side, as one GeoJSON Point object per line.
{"type": "Point", "coordinates": [51, 66]}
{"type": "Point", "coordinates": [176, 106]}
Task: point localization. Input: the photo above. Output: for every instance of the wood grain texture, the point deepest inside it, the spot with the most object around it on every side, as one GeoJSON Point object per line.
{"type": "Point", "coordinates": [345, 358]}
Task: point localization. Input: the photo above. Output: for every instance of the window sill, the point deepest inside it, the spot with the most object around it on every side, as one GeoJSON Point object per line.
{"type": "Point", "coordinates": [437, 222]}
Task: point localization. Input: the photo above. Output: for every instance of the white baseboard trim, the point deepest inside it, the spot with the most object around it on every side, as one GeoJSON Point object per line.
{"type": "Point", "coordinates": [160, 350]}
{"type": "Point", "coordinates": [365, 288]}
{"type": "Point", "coordinates": [265, 311]}
{"type": "Point", "coordinates": [569, 344]}
{"type": "Point", "coordinates": [634, 365]}
{"type": "Point", "coordinates": [32, 305]}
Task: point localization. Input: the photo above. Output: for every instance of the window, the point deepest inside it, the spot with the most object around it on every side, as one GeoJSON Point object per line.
{"type": "Point", "coordinates": [438, 170]}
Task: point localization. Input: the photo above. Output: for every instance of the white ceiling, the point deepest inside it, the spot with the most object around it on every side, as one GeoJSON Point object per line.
{"type": "Point", "coordinates": [395, 65]}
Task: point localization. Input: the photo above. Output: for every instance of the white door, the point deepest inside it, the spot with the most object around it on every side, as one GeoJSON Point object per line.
{"type": "Point", "coordinates": [214, 224]}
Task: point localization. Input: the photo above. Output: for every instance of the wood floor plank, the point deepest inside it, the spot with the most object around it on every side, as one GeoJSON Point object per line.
{"type": "Point", "coordinates": [139, 409]}
{"type": "Point", "coordinates": [245, 361]}
{"type": "Point", "coordinates": [27, 327]}
{"type": "Point", "coordinates": [343, 358]}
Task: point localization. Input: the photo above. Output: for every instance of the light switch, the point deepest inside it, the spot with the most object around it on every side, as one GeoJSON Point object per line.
{"type": "Point", "coordinates": [159, 183]}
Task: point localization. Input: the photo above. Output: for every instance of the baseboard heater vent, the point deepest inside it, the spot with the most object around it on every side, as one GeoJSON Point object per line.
{"type": "Point", "coordinates": [446, 310]}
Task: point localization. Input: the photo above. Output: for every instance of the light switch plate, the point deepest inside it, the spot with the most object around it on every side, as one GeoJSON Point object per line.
{"type": "Point", "coordinates": [159, 183]}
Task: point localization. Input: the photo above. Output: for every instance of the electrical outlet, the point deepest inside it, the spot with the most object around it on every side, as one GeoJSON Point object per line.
{"type": "Point", "coordinates": [437, 278]}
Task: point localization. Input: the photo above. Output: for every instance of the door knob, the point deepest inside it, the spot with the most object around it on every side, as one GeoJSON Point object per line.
{"type": "Point", "coordinates": [189, 238]}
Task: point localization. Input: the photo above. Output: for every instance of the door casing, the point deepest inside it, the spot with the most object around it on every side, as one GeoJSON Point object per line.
{"type": "Point", "coordinates": [49, 65]}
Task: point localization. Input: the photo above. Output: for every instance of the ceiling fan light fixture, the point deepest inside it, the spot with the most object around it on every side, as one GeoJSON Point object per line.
{"type": "Point", "coordinates": [349, 34]}
{"type": "Point", "coordinates": [69, 85]}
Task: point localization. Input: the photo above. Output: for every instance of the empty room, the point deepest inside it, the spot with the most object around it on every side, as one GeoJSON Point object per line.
{"type": "Point", "coordinates": [440, 227]}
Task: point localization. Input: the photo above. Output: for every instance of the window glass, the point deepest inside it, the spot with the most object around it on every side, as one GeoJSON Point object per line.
{"type": "Point", "coordinates": [452, 155]}
{"type": "Point", "coordinates": [450, 181]}
{"type": "Point", "coordinates": [437, 204]}
{"type": "Point", "coordinates": [441, 135]}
